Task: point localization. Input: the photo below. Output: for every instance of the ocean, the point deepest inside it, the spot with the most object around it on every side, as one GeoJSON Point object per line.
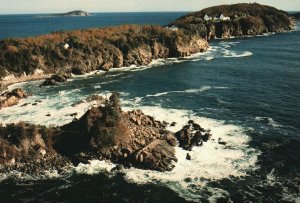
{"type": "Point", "coordinates": [246, 90]}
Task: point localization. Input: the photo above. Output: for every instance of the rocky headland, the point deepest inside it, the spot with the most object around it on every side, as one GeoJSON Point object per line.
{"type": "Point", "coordinates": [83, 51]}
{"type": "Point", "coordinates": [237, 20]}
{"type": "Point", "coordinates": [104, 132]}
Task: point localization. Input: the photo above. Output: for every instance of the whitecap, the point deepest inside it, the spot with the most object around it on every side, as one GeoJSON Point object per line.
{"type": "Point", "coordinates": [212, 162]}
{"type": "Point", "coordinates": [233, 54]}
{"type": "Point", "coordinates": [270, 121]}
{"type": "Point", "coordinates": [202, 89]}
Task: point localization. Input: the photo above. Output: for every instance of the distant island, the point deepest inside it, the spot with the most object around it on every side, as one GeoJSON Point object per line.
{"type": "Point", "coordinates": [72, 13]}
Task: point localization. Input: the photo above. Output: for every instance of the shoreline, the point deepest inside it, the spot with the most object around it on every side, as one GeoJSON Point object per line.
{"type": "Point", "coordinates": [4, 84]}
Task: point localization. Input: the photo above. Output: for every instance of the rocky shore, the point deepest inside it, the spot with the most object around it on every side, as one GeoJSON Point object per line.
{"type": "Point", "coordinates": [104, 132]}
{"type": "Point", "coordinates": [12, 98]}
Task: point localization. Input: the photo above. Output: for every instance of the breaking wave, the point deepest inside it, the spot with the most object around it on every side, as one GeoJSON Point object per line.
{"type": "Point", "coordinates": [202, 89]}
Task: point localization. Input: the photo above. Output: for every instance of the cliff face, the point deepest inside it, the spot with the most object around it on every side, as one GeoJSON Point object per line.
{"type": "Point", "coordinates": [235, 20]}
{"type": "Point", "coordinates": [83, 51]}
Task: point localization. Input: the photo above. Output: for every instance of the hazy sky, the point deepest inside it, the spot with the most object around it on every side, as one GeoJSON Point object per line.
{"type": "Point", "coordinates": [54, 6]}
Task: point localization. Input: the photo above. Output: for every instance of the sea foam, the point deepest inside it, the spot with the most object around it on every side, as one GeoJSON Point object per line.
{"type": "Point", "coordinates": [201, 89]}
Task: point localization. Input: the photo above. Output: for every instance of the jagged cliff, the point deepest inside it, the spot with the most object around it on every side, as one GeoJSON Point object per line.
{"type": "Point", "coordinates": [235, 20]}
{"type": "Point", "coordinates": [82, 51]}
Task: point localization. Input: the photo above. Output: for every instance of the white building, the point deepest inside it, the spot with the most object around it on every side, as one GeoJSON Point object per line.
{"type": "Point", "coordinates": [174, 28]}
{"type": "Point", "coordinates": [66, 46]}
{"type": "Point", "coordinates": [224, 18]}
{"type": "Point", "coordinates": [207, 18]}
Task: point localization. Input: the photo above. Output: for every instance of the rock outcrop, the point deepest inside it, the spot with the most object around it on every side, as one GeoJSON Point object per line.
{"type": "Point", "coordinates": [192, 135]}
{"type": "Point", "coordinates": [12, 98]}
{"type": "Point", "coordinates": [104, 132]}
{"type": "Point", "coordinates": [83, 51]}
{"type": "Point", "coordinates": [235, 20]}
{"type": "Point", "coordinates": [55, 79]}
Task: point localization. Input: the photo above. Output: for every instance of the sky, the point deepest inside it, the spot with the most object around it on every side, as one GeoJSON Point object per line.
{"type": "Point", "coordinates": [60, 6]}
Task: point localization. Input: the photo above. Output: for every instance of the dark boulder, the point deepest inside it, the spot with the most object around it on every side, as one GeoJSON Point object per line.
{"type": "Point", "coordinates": [192, 135]}
{"type": "Point", "coordinates": [188, 156]}
{"type": "Point", "coordinates": [56, 79]}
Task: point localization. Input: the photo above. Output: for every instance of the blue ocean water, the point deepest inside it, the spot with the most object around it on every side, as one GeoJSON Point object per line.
{"type": "Point", "coordinates": [246, 90]}
{"type": "Point", "coordinates": [36, 24]}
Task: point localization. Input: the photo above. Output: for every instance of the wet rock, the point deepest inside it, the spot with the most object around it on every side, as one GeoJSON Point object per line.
{"type": "Point", "coordinates": [19, 93]}
{"type": "Point", "coordinates": [188, 156]}
{"type": "Point", "coordinates": [119, 167]}
{"type": "Point", "coordinates": [173, 124]}
{"type": "Point", "coordinates": [191, 122]}
{"type": "Point", "coordinates": [192, 135]}
{"type": "Point", "coordinates": [206, 137]}
{"type": "Point", "coordinates": [73, 114]}
{"type": "Point", "coordinates": [171, 139]}
{"type": "Point", "coordinates": [221, 142]}
{"type": "Point", "coordinates": [12, 98]}
{"type": "Point", "coordinates": [55, 79]}
{"type": "Point", "coordinates": [26, 104]}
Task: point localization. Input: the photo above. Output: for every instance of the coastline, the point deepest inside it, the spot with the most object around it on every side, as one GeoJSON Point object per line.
{"type": "Point", "coordinates": [4, 84]}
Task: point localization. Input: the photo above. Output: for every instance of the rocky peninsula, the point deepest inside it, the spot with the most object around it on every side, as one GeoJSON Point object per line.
{"type": "Point", "coordinates": [83, 51]}
{"type": "Point", "coordinates": [237, 20]}
{"type": "Point", "coordinates": [104, 132]}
